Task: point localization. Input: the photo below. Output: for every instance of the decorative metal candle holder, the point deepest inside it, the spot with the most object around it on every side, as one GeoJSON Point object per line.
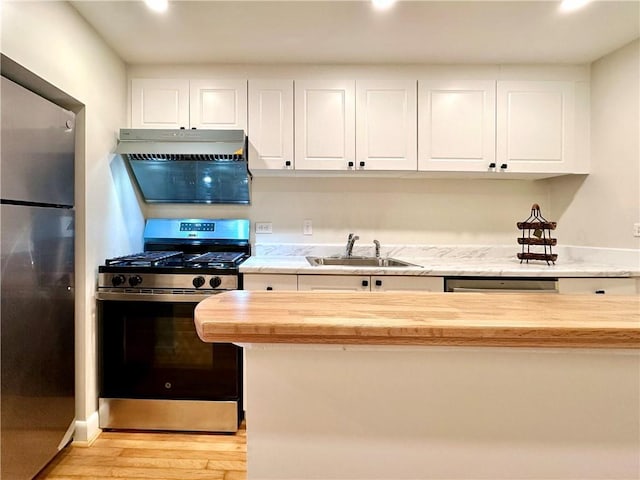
{"type": "Point", "coordinates": [536, 235]}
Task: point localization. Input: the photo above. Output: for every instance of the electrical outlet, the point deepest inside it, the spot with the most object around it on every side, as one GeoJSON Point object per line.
{"type": "Point", "coordinates": [307, 227]}
{"type": "Point", "coordinates": [636, 229]}
{"type": "Point", "coordinates": [264, 227]}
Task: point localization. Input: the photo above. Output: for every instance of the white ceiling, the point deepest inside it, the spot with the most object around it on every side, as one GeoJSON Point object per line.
{"type": "Point", "coordinates": [325, 31]}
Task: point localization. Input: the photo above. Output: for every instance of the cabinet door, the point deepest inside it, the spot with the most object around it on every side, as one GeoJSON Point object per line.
{"type": "Point", "coordinates": [324, 125]}
{"type": "Point", "coordinates": [535, 126]}
{"type": "Point", "coordinates": [456, 125]}
{"type": "Point", "coordinates": [159, 103]}
{"type": "Point", "coordinates": [386, 283]}
{"type": "Point", "coordinates": [354, 283]}
{"type": "Point", "coordinates": [270, 282]}
{"type": "Point", "coordinates": [270, 124]}
{"type": "Point", "coordinates": [386, 125]}
{"type": "Point", "coordinates": [601, 285]}
{"type": "Point", "coordinates": [218, 104]}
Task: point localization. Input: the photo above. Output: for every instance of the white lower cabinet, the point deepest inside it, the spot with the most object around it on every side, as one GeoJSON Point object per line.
{"type": "Point", "coordinates": [366, 283]}
{"type": "Point", "coordinates": [260, 281]}
{"type": "Point", "coordinates": [600, 285]}
{"type": "Point", "coordinates": [354, 283]}
{"type": "Point", "coordinates": [406, 283]}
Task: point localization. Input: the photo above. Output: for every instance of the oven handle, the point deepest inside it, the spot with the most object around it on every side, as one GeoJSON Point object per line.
{"type": "Point", "coordinates": [155, 297]}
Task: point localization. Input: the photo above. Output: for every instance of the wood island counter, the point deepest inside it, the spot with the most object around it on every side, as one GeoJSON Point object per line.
{"type": "Point", "coordinates": [385, 385]}
{"type": "Point", "coordinates": [408, 318]}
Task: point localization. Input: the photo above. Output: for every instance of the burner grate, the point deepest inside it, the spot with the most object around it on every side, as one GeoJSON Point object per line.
{"type": "Point", "coordinates": [143, 258]}
{"type": "Point", "coordinates": [216, 257]}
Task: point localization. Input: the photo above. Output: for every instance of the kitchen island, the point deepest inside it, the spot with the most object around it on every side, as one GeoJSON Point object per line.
{"type": "Point", "coordinates": [435, 385]}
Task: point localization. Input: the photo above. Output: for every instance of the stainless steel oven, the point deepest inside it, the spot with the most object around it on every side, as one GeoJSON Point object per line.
{"type": "Point", "coordinates": [154, 371]}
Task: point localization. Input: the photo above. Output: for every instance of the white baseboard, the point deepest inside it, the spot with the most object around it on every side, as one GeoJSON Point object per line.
{"type": "Point", "coordinates": [87, 431]}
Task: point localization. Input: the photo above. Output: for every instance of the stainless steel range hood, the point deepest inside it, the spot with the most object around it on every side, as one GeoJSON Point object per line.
{"type": "Point", "coordinates": [188, 166]}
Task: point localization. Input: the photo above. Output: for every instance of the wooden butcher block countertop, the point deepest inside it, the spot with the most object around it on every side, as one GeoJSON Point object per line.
{"type": "Point", "coordinates": [421, 318]}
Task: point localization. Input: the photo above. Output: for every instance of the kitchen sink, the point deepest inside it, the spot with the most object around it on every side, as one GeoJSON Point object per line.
{"type": "Point", "coordinates": [358, 262]}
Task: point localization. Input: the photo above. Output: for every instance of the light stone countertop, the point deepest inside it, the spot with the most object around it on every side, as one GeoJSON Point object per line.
{"type": "Point", "coordinates": [447, 261]}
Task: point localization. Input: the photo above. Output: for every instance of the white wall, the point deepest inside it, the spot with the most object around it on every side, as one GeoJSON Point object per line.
{"type": "Point", "coordinates": [411, 211]}
{"type": "Point", "coordinates": [51, 40]}
{"type": "Point", "coordinates": [600, 210]}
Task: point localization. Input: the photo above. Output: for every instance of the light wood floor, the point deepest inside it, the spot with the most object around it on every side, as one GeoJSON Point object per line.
{"type": "Point", "coordinates": [157, 456]}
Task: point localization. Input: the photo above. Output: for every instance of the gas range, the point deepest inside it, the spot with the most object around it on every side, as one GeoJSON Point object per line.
{"type": "Point", "coordinates": [192, 257]}
{"type": "Point", "coordinates": [155, 372]}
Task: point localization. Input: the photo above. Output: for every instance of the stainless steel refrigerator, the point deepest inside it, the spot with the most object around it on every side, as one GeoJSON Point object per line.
{"type": "Point", "coordinates": [37, 285]}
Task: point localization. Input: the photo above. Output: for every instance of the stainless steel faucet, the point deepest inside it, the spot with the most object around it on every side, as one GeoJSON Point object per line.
{"type": "Point", "coordinates": [350, 241]}
{"type": "Point", "coordinates": [377, 244]}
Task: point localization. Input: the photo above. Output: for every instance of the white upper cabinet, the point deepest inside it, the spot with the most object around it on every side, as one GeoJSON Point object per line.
{"type": "Point", "coordinates": [270, 124]}
{"type": "Point", "coordinates": [484, 127]}
{"type": "Point", "coordinates": [386, 125]}
{"type": "Point", "coordinates": [182, 103]}
{"type": "Point", "coordinates": [535, 126]}
{"type": "Point", "coordinates": [324, 125]}
{"type": "Point", "coordinates": [159, 103]}
{"type": "Point", "coordinates": [456, 125]}
{"type": "Point", "coordinates": [218, 104]}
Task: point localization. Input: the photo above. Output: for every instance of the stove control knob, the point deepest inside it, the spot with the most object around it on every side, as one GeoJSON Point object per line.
{"type": "Point", "coordinates": [198, 282]}
{"type": "Point", "coordinates": [215, 282]}
{"type": "Point", "coordinates": [117, 280]}
{"type": "Point", "coordinates": [135, 280]}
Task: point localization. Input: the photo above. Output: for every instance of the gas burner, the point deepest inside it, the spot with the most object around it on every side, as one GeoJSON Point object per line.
{"type": "Point", "coordinates": [143, 259]}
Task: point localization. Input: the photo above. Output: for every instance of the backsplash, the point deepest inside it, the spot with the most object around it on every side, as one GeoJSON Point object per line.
{"type": "Point", "coordinates": [404, 211]}
{"type": "Point", "coordinates": [573, 254]}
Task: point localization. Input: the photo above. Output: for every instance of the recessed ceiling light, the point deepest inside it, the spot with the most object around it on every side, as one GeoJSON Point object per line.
{"type": "Point", "coordinates": [571, 5]}
{"type": "Point", "coordinates": [157, 5]}
{"type": "Point", "coordinates": [383, 4]}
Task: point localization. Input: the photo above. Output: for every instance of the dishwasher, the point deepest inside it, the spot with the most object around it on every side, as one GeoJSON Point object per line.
{"type": "Point", "coordinates": [500, 284]}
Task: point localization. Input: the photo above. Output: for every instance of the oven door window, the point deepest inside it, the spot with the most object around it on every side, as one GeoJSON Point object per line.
{"type": "Point", "coordinates": [152, 350]}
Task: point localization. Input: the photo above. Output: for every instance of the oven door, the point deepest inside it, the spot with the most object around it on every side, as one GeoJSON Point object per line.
{"type": "Point", "coordinates": [150, 352]}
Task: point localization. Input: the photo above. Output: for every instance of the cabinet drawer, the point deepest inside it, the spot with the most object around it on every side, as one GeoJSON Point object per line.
{"type": "Point", "coordinates": [353, 283]}
{"type": "Point", "coordinates": [613, 286]}
{"type": "Point", "coordinates": [387, 283]}
{"type": "Point", "coordinates": [270, 282]}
